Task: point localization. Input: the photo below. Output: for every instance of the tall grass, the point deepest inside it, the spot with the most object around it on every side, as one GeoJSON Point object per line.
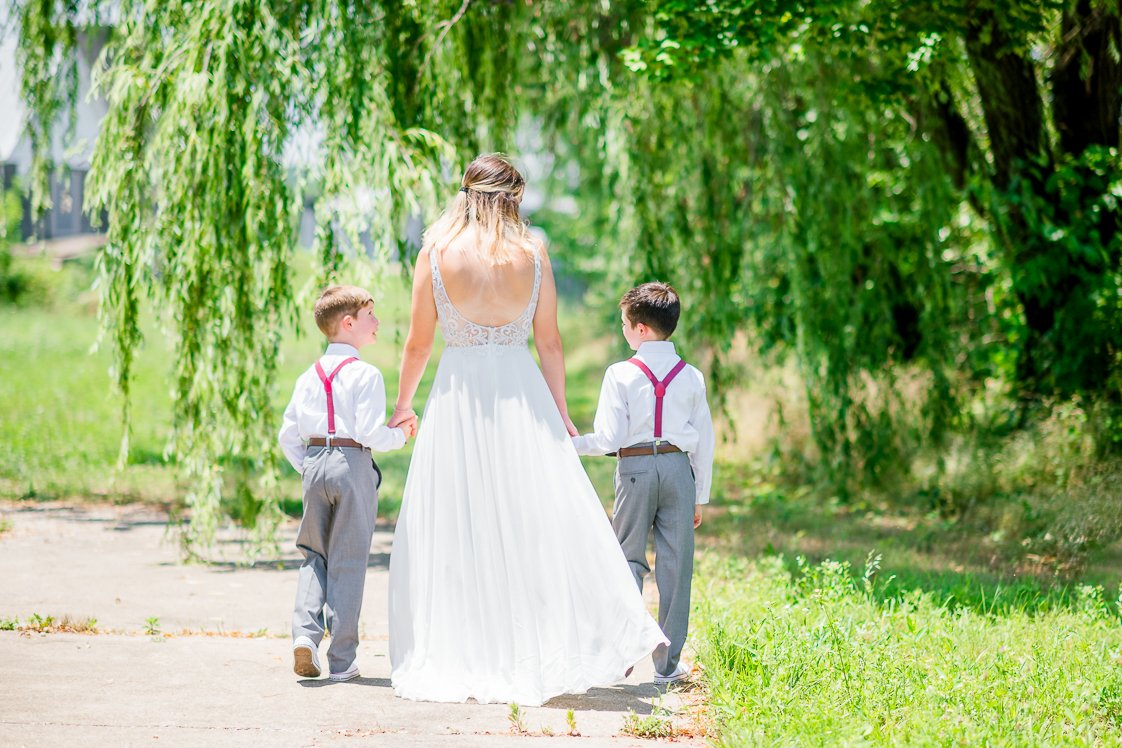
{"type": "Point", "coordinates": [817, 657]}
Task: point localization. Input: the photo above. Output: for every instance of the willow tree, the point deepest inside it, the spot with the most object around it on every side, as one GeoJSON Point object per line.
{"type": "Point", "coordinates": [1023, 101]}
{"type": "Point", "coordinates": [813, 172]}
{"type": "Point", "coordinates": [819, 173]}
{"type": "Point", "coordinates": [773, 193]}
{"type": "Point", "coordinates": [203, 99]}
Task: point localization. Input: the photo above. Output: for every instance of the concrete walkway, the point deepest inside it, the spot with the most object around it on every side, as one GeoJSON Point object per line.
{"type": "Point", "coordinates": [199, 654]}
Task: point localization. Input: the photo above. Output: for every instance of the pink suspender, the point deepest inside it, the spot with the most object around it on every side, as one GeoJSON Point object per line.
{"type": "Point", "coordinates": [660, 390]}
{"type": "Point", "coordinates": [326, 379]}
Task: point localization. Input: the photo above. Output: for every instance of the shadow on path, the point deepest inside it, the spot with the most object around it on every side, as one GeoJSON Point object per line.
{"type": "Point", "coordinates": [359, 681]}
{"type": "Point", "coordinates": [373, 561]}
{"type": "Point", "coordinates": [622, 698]}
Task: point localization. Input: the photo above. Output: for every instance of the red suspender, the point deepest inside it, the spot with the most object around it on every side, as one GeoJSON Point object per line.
{"type": "Point", "coordinates": [327, 390]}
{"type": "Point", "coordinates": [660, 389]}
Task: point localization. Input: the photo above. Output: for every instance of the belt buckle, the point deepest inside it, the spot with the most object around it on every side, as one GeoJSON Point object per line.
{"type": "Point", "coordinates": [654, 447]}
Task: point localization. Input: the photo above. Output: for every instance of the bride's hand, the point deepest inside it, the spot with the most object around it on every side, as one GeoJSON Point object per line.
{"type": "Point", "coordinates": [569, 425]}
{"type": "Point", "coordinates": [408, 427]}
{"type": "Point", "coordinates": [406, 418]}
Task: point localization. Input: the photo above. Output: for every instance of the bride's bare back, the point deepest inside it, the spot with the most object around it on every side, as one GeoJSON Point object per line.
{"type": "Point", "coordinates": [478, 226]}
{"type": "Point", "coordinates": [485, 294]}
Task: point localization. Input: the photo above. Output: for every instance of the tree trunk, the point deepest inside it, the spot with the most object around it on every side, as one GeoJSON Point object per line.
{"type": "Point", "coordinates": [1085, 108]}
{"type": "Point", "coordinates": [1014, 116]}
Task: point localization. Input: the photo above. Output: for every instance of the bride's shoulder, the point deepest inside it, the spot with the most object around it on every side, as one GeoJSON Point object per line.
{"type": "Point", "coordinates": [535, 250]}
{"type": "Point", "coordinates": [538, 246]}
{"type": "Point", "coordinates": [421, 263]}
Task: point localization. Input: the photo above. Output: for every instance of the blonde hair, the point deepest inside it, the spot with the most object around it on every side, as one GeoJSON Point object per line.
{"type": "Point", "coordinates": [488, 201]}
{"type": "Point", "coordinates": [337, 302]}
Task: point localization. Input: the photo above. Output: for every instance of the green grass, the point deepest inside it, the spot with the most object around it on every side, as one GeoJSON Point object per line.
{"type": "Point", "coordinates": [62, 420]}
{"type": "Point", "coordinates": [818, 657]}
{"type": "Point", "coordinates": [958, 563]}
{"type": "Point", "coordinates": [955, 640]}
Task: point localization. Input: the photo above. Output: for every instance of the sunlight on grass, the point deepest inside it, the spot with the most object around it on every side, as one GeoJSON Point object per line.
{"type": "Point", "coordinates": [54, 383]}
{"type": "Point", "coordinates": [816, 658]}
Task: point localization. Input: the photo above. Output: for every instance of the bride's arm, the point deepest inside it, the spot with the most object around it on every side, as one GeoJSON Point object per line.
{"type": "Point", "coordinates": [418, 343]}
{"type": "Point", "coordinates": [547, 339]}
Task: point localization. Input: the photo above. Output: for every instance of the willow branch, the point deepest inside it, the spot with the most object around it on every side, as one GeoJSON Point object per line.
{"type": "Point", "coordinates": [445, 27]}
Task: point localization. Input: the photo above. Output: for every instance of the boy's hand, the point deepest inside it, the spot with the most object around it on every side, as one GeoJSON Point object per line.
{"type": "Point", "coordinates": [409, 426]}
{"type": "Point", "coordinates": [696, 516]}
{"type": "Point", "coordinates": [406, 420]}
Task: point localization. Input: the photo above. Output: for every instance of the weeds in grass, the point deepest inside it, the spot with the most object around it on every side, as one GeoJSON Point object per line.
{"type": "Point", "coordinates": [5, 525]}
{"type": "Point", "coordinates": [9, 624]}
{"type": "Point", "coordinates": [517, 720]}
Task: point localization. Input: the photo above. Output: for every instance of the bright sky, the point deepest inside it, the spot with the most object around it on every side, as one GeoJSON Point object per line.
{"type": "Point", "coordinates": [11, 109]}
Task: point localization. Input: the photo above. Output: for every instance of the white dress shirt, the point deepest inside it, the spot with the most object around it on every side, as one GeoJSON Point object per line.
{"type": "Point", "coordinates": [360, 407]}
{"type": "Point", "coordinates": [625, 413]}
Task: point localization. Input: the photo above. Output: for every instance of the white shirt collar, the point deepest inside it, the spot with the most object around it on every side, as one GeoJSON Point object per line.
{"type": "Point", "coordinates": [341, 349]}
{"type": "Point", "coordinates": [656, 348]}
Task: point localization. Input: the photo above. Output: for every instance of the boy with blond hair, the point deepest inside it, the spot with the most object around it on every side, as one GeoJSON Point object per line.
{"type": "Point", "coordinates": [336, 417]}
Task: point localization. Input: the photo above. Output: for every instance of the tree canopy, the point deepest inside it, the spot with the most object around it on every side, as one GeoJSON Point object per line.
{"type": "Point", "coordinates": [881, 190]}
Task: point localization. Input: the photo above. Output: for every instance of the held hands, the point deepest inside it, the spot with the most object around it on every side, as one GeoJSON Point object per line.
{"type": "Point", "coordinates": [406, 420]}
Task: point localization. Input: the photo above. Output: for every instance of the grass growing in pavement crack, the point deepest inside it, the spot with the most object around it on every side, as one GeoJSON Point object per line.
{"type": "Point", "coordinates": [652, 725]}
{"type": "Point", "coordinates": [517, 721]}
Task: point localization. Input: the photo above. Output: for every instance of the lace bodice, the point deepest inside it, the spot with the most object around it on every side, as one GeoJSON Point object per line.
{"type": "Point", "coordinates": [460, 332]}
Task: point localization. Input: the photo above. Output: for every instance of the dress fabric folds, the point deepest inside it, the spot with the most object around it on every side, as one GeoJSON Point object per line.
{"type": "Point", "coordinates": [507, 583]}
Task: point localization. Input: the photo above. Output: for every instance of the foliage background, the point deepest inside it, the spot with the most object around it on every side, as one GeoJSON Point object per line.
{"type": "Point", "coordinates": [913, 208]}
{"type": "Point", "coordinates": [894, 226]}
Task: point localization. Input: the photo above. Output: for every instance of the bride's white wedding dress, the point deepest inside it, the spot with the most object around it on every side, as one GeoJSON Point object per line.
{"type": "Point", "coordinates": [506, 581]}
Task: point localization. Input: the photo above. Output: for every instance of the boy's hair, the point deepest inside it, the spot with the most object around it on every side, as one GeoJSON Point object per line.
{"type": "Point", "coordinates": [656, 305]}
{"type": "Point", "coordinates": [337, 302]}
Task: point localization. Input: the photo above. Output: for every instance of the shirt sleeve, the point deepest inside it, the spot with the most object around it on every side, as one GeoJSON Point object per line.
{"type": "Point", "coordinates": [370, 414]}
{"type": "Point", "coordinates": [701, 459]}
{"type": "Point", "coordinates": [611, 422]}
{"type": "Point", "coordinates": [290, 442]}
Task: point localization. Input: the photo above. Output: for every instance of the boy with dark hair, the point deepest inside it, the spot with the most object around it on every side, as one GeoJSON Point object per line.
{"type": "Point", "coordinates": [654, 416]}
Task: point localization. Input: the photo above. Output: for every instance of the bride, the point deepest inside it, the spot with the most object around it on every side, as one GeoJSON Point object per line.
{"type": "Point", "coordinates": [506, 582]}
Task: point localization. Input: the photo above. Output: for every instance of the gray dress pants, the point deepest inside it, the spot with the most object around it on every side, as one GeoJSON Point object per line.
{"type": "Point", "coordinates": [658, 492]}
{"type": "Point", "coordinates": [340, 506]}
